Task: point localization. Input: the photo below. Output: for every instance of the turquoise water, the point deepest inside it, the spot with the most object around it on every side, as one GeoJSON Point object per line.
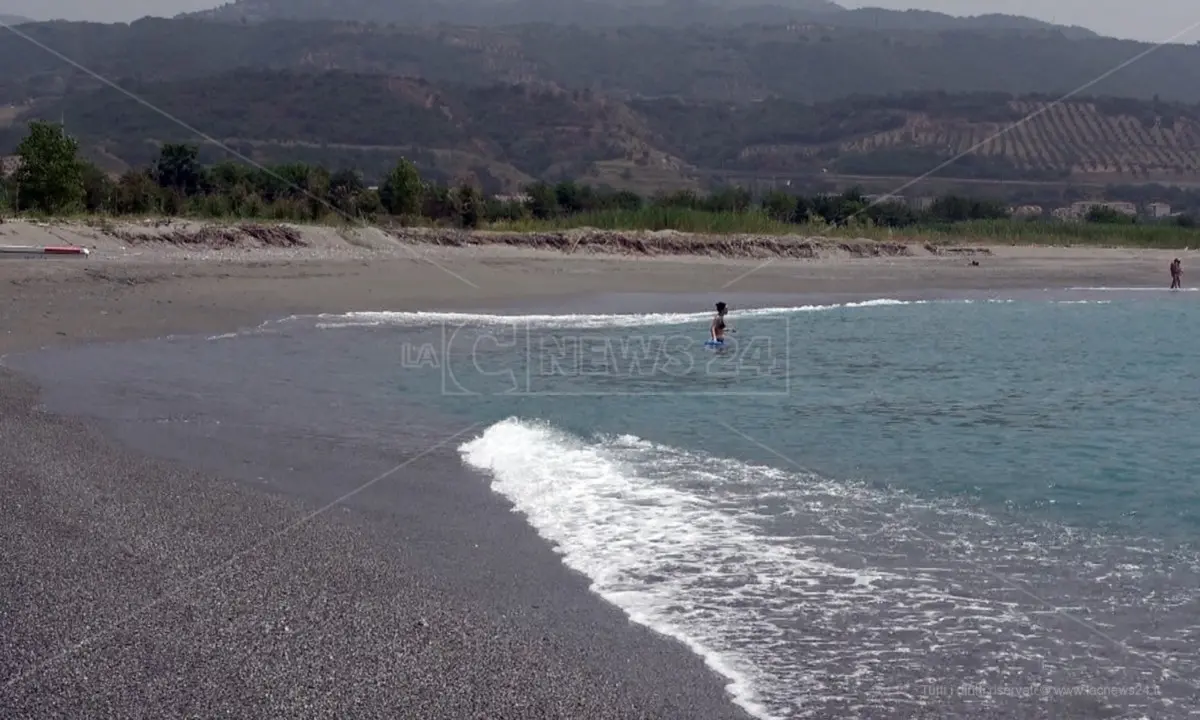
{"type": "Point", "coordinates": [1062, 410]}
{"type": "Point", "coordinates": [872, 510]}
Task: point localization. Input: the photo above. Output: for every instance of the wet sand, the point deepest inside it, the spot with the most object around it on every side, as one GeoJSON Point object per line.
{"type": "Point", "coordinates": [133, 587]}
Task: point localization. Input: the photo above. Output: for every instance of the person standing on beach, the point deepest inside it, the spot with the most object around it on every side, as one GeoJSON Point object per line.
{"type": "Point", "coordinates": [1176, 274]}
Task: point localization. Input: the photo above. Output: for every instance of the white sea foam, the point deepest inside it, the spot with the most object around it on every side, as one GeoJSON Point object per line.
{"type": "Point", "coordinates": [261, 328]}
{"type": "Point", "coordinates": [815, 598]}
{"type": "Point", "coordinates": [423, 318]}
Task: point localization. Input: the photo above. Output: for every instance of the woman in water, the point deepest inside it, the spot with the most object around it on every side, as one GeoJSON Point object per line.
{"type": "Point", "coordinates": [717, 329]}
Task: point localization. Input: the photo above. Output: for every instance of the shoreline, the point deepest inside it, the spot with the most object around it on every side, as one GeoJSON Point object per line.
{"type": "Point", "coordinates": [158, 288]}
{"type": "Point", "coordinates": [160, 585]}
{"type": "Point", "coordinates": [88, 548]}
{"type": "Point", "coordinates": [498, 623]}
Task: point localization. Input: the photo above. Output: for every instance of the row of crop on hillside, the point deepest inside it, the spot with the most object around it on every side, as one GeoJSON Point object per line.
{"type": "Point", "coordinates": [1071, 135]}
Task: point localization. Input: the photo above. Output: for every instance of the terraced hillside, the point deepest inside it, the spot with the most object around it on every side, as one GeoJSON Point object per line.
{"type": "Point", "coordinates": [1084, 140]}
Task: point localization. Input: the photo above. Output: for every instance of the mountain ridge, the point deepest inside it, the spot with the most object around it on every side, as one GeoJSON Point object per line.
{"type": "Point", "coordinates": [618, 13]}
{"type": "Point", "coordinates": [744, 64]}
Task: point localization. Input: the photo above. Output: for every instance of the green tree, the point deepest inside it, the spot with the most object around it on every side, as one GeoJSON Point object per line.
{"type": "Point", "coordinates": [437, 203]}
{"type": "Point", "coordinates": [626, 200]}
{"type": "Point", "coordinates": [955, 208]}
{"type": "Point", "coordinates": [780, 206]}
{"type": "Point", "coordinates": [573, 198]}
{"type": "Point", "coordinates": [229, 178]}
{"type": "Point", "coordinates": [98, 190]}
{"type": "Point", "coordinates": [402, 191]}
{"type": "Point", "coordinates": [345, 187]}
{"type": "Point", "coordinates": [8, 195]}
{"type": "Point", "coordinates": [469, 203]}
{"type": "Point", "coordinates": [368, 203]}
{"type": "Point", "coordinates": [178, 168]}
{"type": "Point", "coordinates": [137, 193]}
{"type": "Point", "coordinates": [1108, 216]}
{"type": "Point", "coordinates": [684, 199]}
{"type": "Point", "coordinates": [543, 201]}
{"type": "Point", "coordinates": [729, 200]}
{"type": "Point", "coordinates": [50, 178]}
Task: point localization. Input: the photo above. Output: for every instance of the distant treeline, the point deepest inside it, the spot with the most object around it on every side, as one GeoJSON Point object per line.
{"type": "Point", "coordinates": [51, 179]}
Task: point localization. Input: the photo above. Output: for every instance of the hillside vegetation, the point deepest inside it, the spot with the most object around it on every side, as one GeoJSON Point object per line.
{"type": "Point", "coordinates": [650, 108]}
{"type": "Point", "coordinates": [1088, 140]}
{"type": "Point", "coordinates": [52, 180]}
{"type": "Point", "coordinates": [505, 136]}
{"type": "Point", "coordinates": [802, 62]}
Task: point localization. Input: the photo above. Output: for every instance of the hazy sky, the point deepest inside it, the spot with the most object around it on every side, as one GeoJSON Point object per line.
{"type": "Point", "coordinates": [1150, 20]}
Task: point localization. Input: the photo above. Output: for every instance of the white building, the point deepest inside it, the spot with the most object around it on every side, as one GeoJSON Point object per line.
{"type": "Point", "coordinates": [9, 165]}
{"type": "Point", "coordinates": [1158, 210]}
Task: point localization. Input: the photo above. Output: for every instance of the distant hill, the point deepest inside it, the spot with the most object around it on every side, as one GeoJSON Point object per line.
{"type": "Point", "coordinates": [796, 62]}
{"type": "Point", "coordinates": [503, 136]}
{"type": "Point", "coordinates": [493, 13]}
{"type": "Point", "coordinates": [925, 20]}
{"type": "Point", "coordinates": [614, 13]}
{"type": "Point", "coordinates": [13, 20]}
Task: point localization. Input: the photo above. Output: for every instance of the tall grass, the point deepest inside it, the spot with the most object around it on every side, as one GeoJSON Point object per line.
{"type": "Point", "coordinates": [655, 218]}
{"type": "Point", "coordinates": [1037, 232]}
{"type": "Point", "coordinates": [752, 222]}
{"type": "Point", "coordinates": [1009, 232]}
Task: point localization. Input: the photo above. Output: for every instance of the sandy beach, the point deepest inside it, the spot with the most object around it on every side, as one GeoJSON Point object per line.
{"type": "Point", "coordinates": [145, 280]}
{"type": "Point", "coordinates": [133, 587]}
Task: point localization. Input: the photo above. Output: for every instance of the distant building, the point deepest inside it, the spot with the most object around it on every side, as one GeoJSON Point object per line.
{"type": "Point", "coordinates": [9, 165]}
{"type": "Point", "coordinates": [1158, 210]}
{"type": "Point", "coordinates": [921, 203]}
{"type": "Point", "coordinates": [1026, 211]}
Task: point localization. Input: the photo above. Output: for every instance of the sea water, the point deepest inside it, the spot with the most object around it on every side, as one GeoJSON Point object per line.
{"type": "Point", "coordinates": [886, 508]}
